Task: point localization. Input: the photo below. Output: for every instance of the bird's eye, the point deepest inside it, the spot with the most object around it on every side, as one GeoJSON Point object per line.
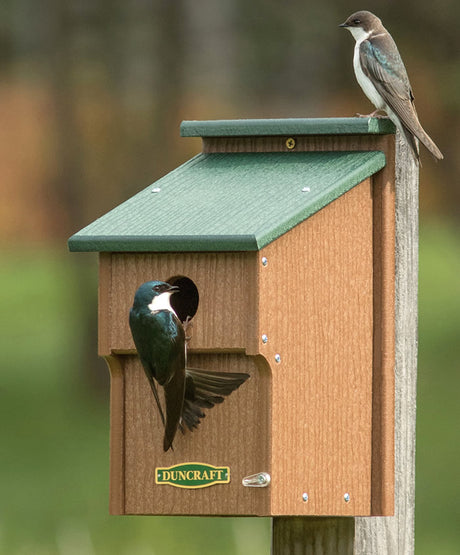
{"type": "Point", "coordinates": [356, 21]}
{"type": "Point", "coordinates": [156, 287]}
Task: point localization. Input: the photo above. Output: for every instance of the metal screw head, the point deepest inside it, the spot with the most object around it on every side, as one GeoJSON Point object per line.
{"type": "Point", "coordinates": [305, 497]}
{"type": "Point", "coordinates": [277, 358]}
{"type": "Point", "coordinates": [290, 143]}
{"type": "Point", "coordinates": [156, 190]}
{"type": "Point", "coordinates": [305, 189]}
{"type": "Point", "coordinates": [346, 497]}
{"type": "Point", "coordinates": [264, 261]}
{"type": "Point", "coordinates": [264, 338]}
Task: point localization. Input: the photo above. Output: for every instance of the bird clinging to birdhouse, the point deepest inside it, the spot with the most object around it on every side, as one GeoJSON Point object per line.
{"type": "Point", "coordinates": [160, 341]}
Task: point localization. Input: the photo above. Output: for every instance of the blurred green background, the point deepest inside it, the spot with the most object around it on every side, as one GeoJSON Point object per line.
{"type": "Point", "coordinates": [92, 93]}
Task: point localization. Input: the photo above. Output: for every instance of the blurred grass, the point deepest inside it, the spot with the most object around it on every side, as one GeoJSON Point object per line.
{"type": "Point", "coordinates": [54, 436]}
{"type": "Point", "coordinates": [438, 454]}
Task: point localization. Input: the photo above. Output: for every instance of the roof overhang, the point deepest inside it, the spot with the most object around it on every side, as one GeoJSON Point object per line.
{"type": "Point", "coordinates": [228, 202]}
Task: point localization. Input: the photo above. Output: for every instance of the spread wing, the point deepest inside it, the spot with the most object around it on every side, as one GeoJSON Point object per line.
{"type": "Point", "coordinates": [204, 389]}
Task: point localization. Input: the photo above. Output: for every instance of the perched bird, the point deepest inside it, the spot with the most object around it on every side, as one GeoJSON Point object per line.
{"type": "Point", "coordinates": [381, 74]}
{"type": "Point", "coordinates": [160, 341]}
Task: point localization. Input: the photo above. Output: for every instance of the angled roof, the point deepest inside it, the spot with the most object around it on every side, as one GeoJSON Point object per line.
{"type": "Point", "coordinates": [228, 202]}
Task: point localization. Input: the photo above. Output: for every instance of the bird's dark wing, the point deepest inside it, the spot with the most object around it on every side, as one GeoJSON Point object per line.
{"type": "Point", "coordinates": [381, 62]}
{"type": "Point", "coordinates": [154, 389]}
{"type": "Point", "coordinates": [174, 397]}
{"type": "Point", "coordinates": [142, 329]}
{"type": "Point", "coordinates": [160, 342]}
{"type": "Point", "coordinates": [168, 358]}
{"type": "Point", "coordinates": [204, 389]}
{"type": "Point", "coordinates": [174, 386]}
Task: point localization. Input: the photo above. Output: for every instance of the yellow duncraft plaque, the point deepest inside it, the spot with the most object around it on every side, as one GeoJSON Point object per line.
{"type": "Point", "coordinates": [192, 475]}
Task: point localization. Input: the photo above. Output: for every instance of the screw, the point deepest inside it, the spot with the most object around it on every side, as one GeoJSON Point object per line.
{"type": "Point", "coordinates": [264, 338]}
{"type": "Point", "coordinates": [156, 190]}
{"type": "Point", "coordinates": [305, 189]}
{"type": "Point", "coordinates": [290, 143]}
{"type": "Point", "coordinates": [347, 497]}
{"type": "Point", "coordinates": [264, 261]}
{"type": "Point", "coordinates": [277, 357]}
{"type": "Point", "coordinates": [305, 497]}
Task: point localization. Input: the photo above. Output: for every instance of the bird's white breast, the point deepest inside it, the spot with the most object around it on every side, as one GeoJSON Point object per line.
{"type": "Point", "coordinates": [365, 83]}
{"type": "Point", "coordinates": [161, 302]}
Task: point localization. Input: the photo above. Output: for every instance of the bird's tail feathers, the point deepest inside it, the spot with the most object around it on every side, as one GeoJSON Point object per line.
{"type": "Point", "coordinates": [429, 143]}
{"type": "Point", "coordinates": [411, 132]}
{"type": "Point", "coordinates": [206, 388]}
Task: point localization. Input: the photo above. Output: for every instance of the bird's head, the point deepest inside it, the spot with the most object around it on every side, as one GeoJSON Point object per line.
{"type": "Point", "coordinates": [154, 292]}
{"type": "Point", "coordinates": [361, 24]}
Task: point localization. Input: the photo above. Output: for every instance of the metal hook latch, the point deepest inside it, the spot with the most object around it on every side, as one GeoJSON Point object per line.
{"type": "Point", "coordinates": [259, 480]}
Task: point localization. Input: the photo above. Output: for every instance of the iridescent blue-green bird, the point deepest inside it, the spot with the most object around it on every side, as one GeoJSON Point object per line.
{"type": "Point", "coordinates": [160, 341]}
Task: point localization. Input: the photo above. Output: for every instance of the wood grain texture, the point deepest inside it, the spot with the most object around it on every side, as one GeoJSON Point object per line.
{"type": "Point", "coordinates": [117, 436]}
{"type": "Point", "coordinates": [375, 535]}
{"type": "Point", "coordinates": [383, 414]}
{"type": "Point", "coordinates": [303, 143]}
{"type": "Point", "coordinates": [234, 433]}
{"type": "Point", "coordinates": [227, 279]}
{"type": "Point", "coordinates": [316, 307]}
{"type": "Point", "coordinates": [380, 536]}
{"type": "Point", "coordinates": [104, 303]}
{"type": "Point", "coordinates": [313, 536]}
{"type": "Point", "coordinates": [224, 280]}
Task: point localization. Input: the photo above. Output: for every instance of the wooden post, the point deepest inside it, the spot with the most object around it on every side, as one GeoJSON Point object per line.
{"type": "Point", "coordinates": [394, 534]}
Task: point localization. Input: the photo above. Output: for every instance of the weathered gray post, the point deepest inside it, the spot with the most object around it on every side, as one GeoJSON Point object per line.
{"type": "Point", "coordinates": [389, 534]}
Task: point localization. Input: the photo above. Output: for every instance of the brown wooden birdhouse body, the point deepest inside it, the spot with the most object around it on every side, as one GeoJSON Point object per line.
{"type": "Point", "coordinates": [282, 233]}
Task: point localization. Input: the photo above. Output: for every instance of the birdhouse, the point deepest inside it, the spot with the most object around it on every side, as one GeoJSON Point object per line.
{"type": "Point", "coordinates": [280, 237]}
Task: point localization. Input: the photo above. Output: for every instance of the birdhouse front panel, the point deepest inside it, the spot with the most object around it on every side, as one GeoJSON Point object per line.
{"type": "Point", "coordinates": [228, 277]}
{"type": "Point", "coordinates": [271, 260]}
{"type": "Point", "coordinates": [233, 435]}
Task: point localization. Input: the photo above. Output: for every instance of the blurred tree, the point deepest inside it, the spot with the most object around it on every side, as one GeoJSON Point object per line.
{"type": "Point", "coordinates": [122, 75]}
{"type": "Point", "coordinates": [105, 83]}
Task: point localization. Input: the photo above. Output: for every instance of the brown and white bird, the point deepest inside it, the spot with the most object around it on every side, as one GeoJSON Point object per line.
{"type": "Point", "coordinates": [382, 75]}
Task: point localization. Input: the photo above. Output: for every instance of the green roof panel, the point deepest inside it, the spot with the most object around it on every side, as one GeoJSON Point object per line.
{"type": "Point", "coordinates": [228, 202]}
{"type": "Point", "coordinates": [289, 126]}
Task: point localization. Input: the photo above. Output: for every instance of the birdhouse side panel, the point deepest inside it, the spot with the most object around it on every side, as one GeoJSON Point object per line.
{"type": "Point", "coordinates": [317, 312]}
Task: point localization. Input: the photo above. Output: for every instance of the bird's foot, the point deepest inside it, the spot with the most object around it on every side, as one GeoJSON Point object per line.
{"type": "Point", "coordinates": [188, 324]}
{"type": "Point", "coordinates": [374, 114]}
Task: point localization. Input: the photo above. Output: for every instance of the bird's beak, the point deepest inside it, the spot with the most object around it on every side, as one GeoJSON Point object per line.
{"type": "Point", "coordinates": [344, 25]}
{"type": "Point", "coordinates": [173, 289]}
